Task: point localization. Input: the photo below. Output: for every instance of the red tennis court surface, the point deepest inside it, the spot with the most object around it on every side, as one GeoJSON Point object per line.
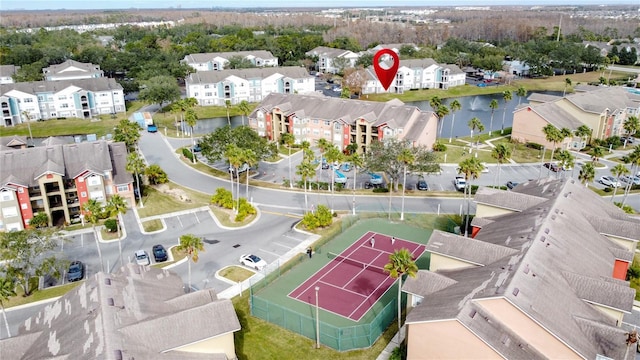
{"type": "Point", "coordinates": [350, 284]}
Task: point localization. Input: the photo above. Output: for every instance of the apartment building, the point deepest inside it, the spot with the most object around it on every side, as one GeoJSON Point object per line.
{"type": "Point", "coordinates": [332, 60]}
{"type": "Point", "coordinates": [218, 61]}
{"type": "Point", "coordinates": [542, 278]}
{"type": "Point", "coordinates": [72, 70]}
{"type": "Point", "coordinates": [603, 109]}
{"type": "Point", "coordinates": [416, 74]}
{"type": "Point", "coordinates": [43, 100]}
{"type": "Point", "coordinates": [253, 85]}
{"type": "Point", "coordinates": [7, 72]}
{"type": "Point", "coordinates": [342, 121]}
{"type": "Point", "coordinates": [58, 179]}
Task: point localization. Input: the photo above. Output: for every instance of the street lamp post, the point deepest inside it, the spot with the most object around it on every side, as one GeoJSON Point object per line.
{"type": "Point", "coordinates": [317, 320]}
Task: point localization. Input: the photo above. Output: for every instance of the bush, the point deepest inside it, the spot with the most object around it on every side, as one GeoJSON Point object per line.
{"type": "Point", "coordinates": [187, 153]}
{"type": "Point", "coordinates": [380, 190]}
{"type": "Point", "coordinates": [245, 209]}
{"type": "Point", "coordinates": [533, 145]}
{"type": "Point", "coordinates": [439, 147]}
{"type": "Point", "coordinates": [310, 221]}
{"type": "Point", "coordinates": [156, 175]}
{"type": "Point", "coordinates": [111, 225]}
{"type": "Point", "coordinates": [223, 198]}
{"type": "Point", "coordinates": [39, 220]}
{"type": "Point", "coordinates": [322, 217]}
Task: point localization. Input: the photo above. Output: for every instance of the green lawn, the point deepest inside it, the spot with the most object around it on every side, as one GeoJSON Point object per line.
{"type": "Point", "coordinates": [157, 203]}
{"type": "Point", "coordinates": [236, 273]}
{"type": "Point", "coordinates": [152, 225]}
{"type": "Point", "coordinates": [38, 295]}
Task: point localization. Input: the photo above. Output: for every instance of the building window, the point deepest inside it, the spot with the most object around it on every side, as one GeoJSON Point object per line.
{"type": "Point", "coordinates": [123, 188]}
{"type": "Point", "coordinates": [9, 211]}
{"type": "Point", "coordinates": [64, 106]}
{"type": "Point", "coordinates": [327, 123]}
{"type": "Point", "coordinates": [83, 194]}
{"type": "Point", "coordinates": [208, 94]}
{"type": "Point", "coordinates": [20, 190]}
{"type": "Point", "coordinates": [24, 206]}
{"type": "Point", "coordinates": [28, 100]}
{"type": "Point", "coordinates": [93, 180]}
{"type": "Point", "coordinates": [206, 86]}
{"type": "Point", "coordinates": [62, 97]}
{"type": "Point", "coordinates": [315, 121]}
{"type": "Point", "coordinates": [6, 196]}
{"type": "Point", "coordinates": [96, 195]}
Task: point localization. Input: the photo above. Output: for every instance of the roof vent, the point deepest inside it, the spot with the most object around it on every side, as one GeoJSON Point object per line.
{"type": "Point", "coordinates": [117, 354]}
{"type": "Point", "coordinates": [553, 217]}
{"type": "Point", "coordinates": [107, 281]}
{"type": "Point", "coordinates": [543, 238]}
{"type": "Point", "coordinates": [110, 302]}
{"type": "Point", "coordinates": [556, 211]}
{"type": "Point", "coordinates": [516, 291]}
{"type": "Point", "coordinates": [472, 314]}
{"type": "Point", "coordinates": [526, 269]}
{"type": "Point", "coordinates": [546, 231]}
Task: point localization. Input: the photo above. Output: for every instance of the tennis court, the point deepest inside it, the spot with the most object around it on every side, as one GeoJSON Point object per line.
{"type": "Point", "coordinates": [354, 280]}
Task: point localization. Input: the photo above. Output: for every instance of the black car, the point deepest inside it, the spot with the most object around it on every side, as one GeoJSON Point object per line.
{"type": "Point", "coordinates": [511, 184]}
{"type": "Point", "coordinates": [422, 185]}
{"type": "Point", "coordinates": [160, 253]}
{"type": "Point", "coordinates": [551, 166]}
{"type": "Point", "coordinates": [76, 271]}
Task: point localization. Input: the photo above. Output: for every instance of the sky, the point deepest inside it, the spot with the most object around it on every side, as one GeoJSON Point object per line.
{"type": "Point", "coordinates": [127, 4]}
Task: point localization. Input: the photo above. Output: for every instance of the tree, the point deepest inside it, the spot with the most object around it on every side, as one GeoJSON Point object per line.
{"type": "Point", "coordinates": [116, 205]}
{"type": "Point", "coordinates": [127, 132]}
{"type": "Point", "coordinates": [383, 157]}
{"type": "Point", "coordinates": [471, 168]}
{"type": "Point", "coordinates": [400, 263]}
{"type": "Point", "coordinates": [521, 92]}
{"type": "Point", "coordinates": [227, 106]}
{"type": "Point", "coordinates": [506, 97]}
{"type": "Point", "coordinates": [405, 157]}
{"type": "Point", "coordinates": [354, 79]}
{"type": "Point", "coordinates": [136, 165]}
{"type": "Point", "coordinates": [244, 108]}
{"type": "Point", "coordinates": [306, 170]}
{"type": "Point", "coordinates": [474, 124]}
{"type": "Point", "coordinates": [596, 153]}
{"type": "Point", "coordinates": [617, 171]}
{"type": "Point", "coordinates": [583, 131]}
{"type": "Point", "coordinates": [28, 253]}
{"type": "Point", "coordinates": [565, 160]}
{"type": "Point", "coordinates": [634, 159]}
{"type": "Point", "coordinates": [587, 173]}
{"type": "Point", "coordinates": [333, 155]}
{"type": "Point", "coordinates": [454, 106]}
{"type": "Point", "coordinates": [192, 246]}
{"type": "Point", "coordinates": [567, 82]}
{"type": "Point", "coordinates": [92, 211]}
{"type": "Point", "coordinates": [234, 156]}
{"type": "Point", "coordinates": [191, 118]}
{"type": "Point", "coordinates": [493, 105]}
{"type": "Point", "coordinates": [39, 220]}
{"type": "Point", "coordinates": [442, 111]}
{"type": "Point", "coordinates": [7, 290]}
{"type": "Point", "coordinates": [156, 175]}
{"type": "Point", "coordinates": [159, 89]}
{"type": "Point", "coordinates": [502, 154]}
{"type": "Point", "coordinates": [357, 162]}
{"type": "Point", "coordinates": [434, 102]}
{"type": "Point", "coordinates": [553, 135]}
{"type": "Point", "coordinates": [288, 139]}
{"type": "Point", "coordinates": [631, 126]}
{"type": "Point", "coordinates": [215, 144]}
{"type": "Point", "coordinates": [250, 158]}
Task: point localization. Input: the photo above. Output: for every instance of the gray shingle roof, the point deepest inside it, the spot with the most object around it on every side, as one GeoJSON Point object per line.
{"type": "Point", "coordinates": [212, 77]}
{"type": "Point", "coordinates": [139, 311]}
{"type": "Point", "coordinates": [597, 101]}
{"type": "Point", "coordinates": [206, 57]}
{"type": "Point", "coordinates": [8, 70]}
{"type": "Point", "coordinates": [37, 87]}
{"type": "Point", "coordinates": [326, 51]}
{"type": "Point", "coordinates": [559, 264]}
{"type": "Point", "coordinates": [426, 283]}
{"type": "Point", "coordinates": [506, 199]}
{"type": "Point", "coordinates": [557, 116]}
{"type": "Point", "coordinates": [466, 249]}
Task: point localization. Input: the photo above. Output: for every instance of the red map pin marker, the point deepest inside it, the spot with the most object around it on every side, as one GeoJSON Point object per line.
{"type": "Point", "coordinates": [386, 76]}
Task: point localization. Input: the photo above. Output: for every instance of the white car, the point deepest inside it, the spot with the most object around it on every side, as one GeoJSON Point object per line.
{"type": "Point", "coordinates": [609, 181]}
{"type": "Point", "coordinates": [460, 183]}
{"type": "Point", "coordinates": [630, 179]}
{"type": "Point", "coordinates": [252, 261]}
{"type": "Point", "coordinates": [142, 258]}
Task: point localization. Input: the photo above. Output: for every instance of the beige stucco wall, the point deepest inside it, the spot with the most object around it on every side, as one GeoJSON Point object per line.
{"type": "Point", "coordinates": [445, 340]}
{"type": "Point", "coordinates": [484, 210]}
{"type": "Point", "coordinates": [594, 121]}
{"type": "Point", "coordinates": [615, 314]}
{"type": "Point", "coordinates": [219, 344]}
{"type": "Point", "coordinates": [626, 243]}
{"type": "Point", "coordinates": [517, 321]}
{"type": "Point", "coordinates": [428, 136]}
{"type": "Point", "coordinates": [440, 262]}
{"type": "Point", "coordinates": [527, 127]}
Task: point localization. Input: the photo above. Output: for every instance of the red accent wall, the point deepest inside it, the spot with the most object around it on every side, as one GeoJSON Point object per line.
{"type": "Point", "coordinates": [82, 187]}
{"type": "Point", "coordinates": [24, 199]}
{"type": "Point", "coordinates": [620, 269]}
{"type": "Point", "coordinates": [267, 118]}
{"type": "Point", "coordinates": [380, 134]}
{"type": "Point", "coordinates": [474, 231]}
{"type": "Point", "coordinates": [345, 137]}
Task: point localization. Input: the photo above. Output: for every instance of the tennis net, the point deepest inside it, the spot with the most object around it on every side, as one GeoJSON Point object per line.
{"type": "Point", "coordinates": [360, 264]}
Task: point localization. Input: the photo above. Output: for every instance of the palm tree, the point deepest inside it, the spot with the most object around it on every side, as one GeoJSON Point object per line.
{"type": "Point", "coordinates": [565, 160]}
{"type": "Point", "coordinates": [583, 131]}
{"type": "Point", "coordinates": [471, 168]}
{"type": "Point", "coordinates": [614, 60]}
{"type": "Point", "coordinates": [116, 205]}
{"type": "Point", "coordinates": [191, 245]}
{"type": "Point", "coordinates": [7, 290]}
{"type": "Point", "coordinates": [521, 92]}
{"type": "Point", "coordinates": [474, 124]}
{"type": "Point", "coordinates": [442, 111]}
{"type": "Point", "coordinates": [400, 263]}
{"type": "Point", "coordinates": [553, 135]}
{"type": "Point", "coordinates": [356, 161]}
{"type": "Point", "coordinates": [435, 102]}
{"type": "Point", "coordinates": [617, 171]}
{"type": "Point", "coordinates": [288, 139]}
{"type": "Point", "coordinates": [92, 210]}
{"type": "Point", "coordinates": [631, 126]}
{"type": "Point", "coordinates": [493, 105]}
{"type": "Point", "coordinates": [502, 154]}
{"type": "Point", "coordinates": [136, 165]}
{"type": "Point", "coordinates": [596, 153]}
{"type": "Point", "coordinates": [407, 158]}
{"type": "Point", "coordinates": [306, 170]}
{"type": "Point", "coordinates": [634, 159]}
{"type": "Point", "coordinates": [506, 97]}
{"type": "Point", "coordinates": [567, 82]}
{"type": "Point", "coordinates": [333, 155]}
{"type": "Point", "coordinates": [251, 159]}
{"type": "Point", "coordinates": [234, 155]}
{"type": "Point", "coordinates": [191, 118]}
{"type": "Point", "coordinates": [454, 106]}
{"type": "Point", "coordinates": [227, 106]}
{"type": "Point", "coordinates": [587, 174]}
{"type": "Point", "coordinates": [244, 108]}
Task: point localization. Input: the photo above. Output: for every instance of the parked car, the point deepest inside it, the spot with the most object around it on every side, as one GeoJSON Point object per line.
{"type": "Point", "coordinates": [511, 184]}
{"type": "Point", "coordinates": [629, 139]}
{"type": "Point", "coordinates": [375, 178]}
{"type": "Point", "coordinates": [76, 271]}
{"type": "Point", "coordinates": [196, 148]}
{"type": "Point", "coordinates": [241, 169]}
{"type": "Point", "coordinates": [346, 167]}
{"type": "Point", "coordinates": [152, 128]}
{"type": "Point", "coordinates": [551, 166]}
{"type": "Point", "coordinates": [142, 258]}
{"type": "Point", "coordinates": [609, 180]}
{"type": "Point", "coordinates": [422, 185]}
{"type": "Point", "coordinates": [252, 261]}
{"type": "Point", "coordinates": [635, 180]}
{"type": "Point", "coordinates": [460, 183]}
{"type": "Point", "coordinates": [160, 253]}
{"type": "Point", "coordinates": [369, 185]}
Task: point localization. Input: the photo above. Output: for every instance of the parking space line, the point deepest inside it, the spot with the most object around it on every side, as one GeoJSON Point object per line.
{"type": "Point", "coordinates": [196, 215]}
{"type": "Point", "coordinates": [269, 252]}
{"type": "Point", "coordinates": [283, 245]}
{"type": "Point", "coordinates": [293, 238]}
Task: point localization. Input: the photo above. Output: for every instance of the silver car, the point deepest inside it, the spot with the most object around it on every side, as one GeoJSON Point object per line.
{"type": "Point", "coordinates": [142, 257]}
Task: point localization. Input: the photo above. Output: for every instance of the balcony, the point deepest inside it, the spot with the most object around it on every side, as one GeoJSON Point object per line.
{"type": "Point", "coordinates": [34, 192]}
{"type": "Point", "coordinates": [51, 187]}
